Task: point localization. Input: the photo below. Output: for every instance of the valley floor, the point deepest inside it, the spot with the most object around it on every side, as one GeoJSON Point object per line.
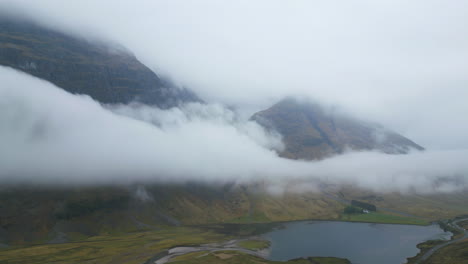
{"type": "Point", "coordinates": [141, 247]}
{"type": "Point", "coordinates": [201, 244]}
{"type": "Point", "coordinates": [107, 225]}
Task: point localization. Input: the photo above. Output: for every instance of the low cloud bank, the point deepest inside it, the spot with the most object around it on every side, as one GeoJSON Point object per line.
{"type": "Point", "coordinates": [400, 62]}
{"type": "Point", "coordinates": [50, 136]}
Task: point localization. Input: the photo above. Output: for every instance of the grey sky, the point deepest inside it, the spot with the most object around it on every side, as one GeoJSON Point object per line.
{"type": "Point", "coordinates": [401, 63]}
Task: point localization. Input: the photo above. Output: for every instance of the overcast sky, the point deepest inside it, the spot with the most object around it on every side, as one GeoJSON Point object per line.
{"type": "Point", "coordinates": [401, 63]}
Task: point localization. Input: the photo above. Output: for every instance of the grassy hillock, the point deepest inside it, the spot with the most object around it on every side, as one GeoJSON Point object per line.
{"type": "Point", "coordinates": [378, 217]}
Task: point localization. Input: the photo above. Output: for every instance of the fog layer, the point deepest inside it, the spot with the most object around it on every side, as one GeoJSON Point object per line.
{"type": "Point", "coordinates": [401, 63]}
{"type": "Point", "coordinates": [48, 135]}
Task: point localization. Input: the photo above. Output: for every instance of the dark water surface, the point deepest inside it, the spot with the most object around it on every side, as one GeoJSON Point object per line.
{"type": "Point", "coordinates": [361, 243]}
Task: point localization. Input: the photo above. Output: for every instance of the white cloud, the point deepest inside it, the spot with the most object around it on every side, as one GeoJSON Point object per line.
{"type": "Point", "coordinates": [48, 135]}
{"type": "Point", "coordinates": [402, 63]}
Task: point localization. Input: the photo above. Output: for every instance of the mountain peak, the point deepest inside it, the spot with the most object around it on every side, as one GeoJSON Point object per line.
{"type": "Point", "coordinates": [311, 131]}
{"type": "Point", "coordinates": [107, 72]}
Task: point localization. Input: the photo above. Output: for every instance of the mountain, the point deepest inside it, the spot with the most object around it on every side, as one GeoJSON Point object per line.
{"type": "Point", "coordinates": [40, 214]}
{"type": "Point", "coordinates": [109, 74]}
{"type": "Point", "coordinates": [311, 132]}
{"type": "Point", "coordinates": [31, 214]}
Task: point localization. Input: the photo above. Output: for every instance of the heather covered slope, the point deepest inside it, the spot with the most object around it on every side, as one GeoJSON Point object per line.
{"type": "Point", "coordinates": [109, 74]}
{"type": "Point", "coordinates": [56, 215]}
{"type": "Point", "coordinates": [310, 132]}
{"type": "Point", "coordinates": [31, 215]}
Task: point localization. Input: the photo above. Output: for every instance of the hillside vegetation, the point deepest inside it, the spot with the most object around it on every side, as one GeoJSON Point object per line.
{"type": "Point", "coordinates": [32, 215]}
{"type": "Point", "coordinates": [106, 72]}
{"type": "Point", "coordinates": [456, 253]}
{"type": "Point", "coordinates": [230, 257]}
{"type": "Point", "coordinates": [40, 215]}
{"type": "Point", "coordinates": [311, 132]}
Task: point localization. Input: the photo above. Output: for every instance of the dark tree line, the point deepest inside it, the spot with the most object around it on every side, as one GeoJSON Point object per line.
{"type": "Point", "coordinates": [363, 205]}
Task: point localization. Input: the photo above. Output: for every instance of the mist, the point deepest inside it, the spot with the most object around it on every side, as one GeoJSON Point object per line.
{"type": "Point", "coordinates": [401, 63]}
{"type": "Point", "coordinates": [49, 136]}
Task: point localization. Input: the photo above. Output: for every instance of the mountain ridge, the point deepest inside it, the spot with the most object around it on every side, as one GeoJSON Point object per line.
{"type": "Point", "coordinates": [310, 132]}
{"type": "Point", "coordinates": [107, 74]}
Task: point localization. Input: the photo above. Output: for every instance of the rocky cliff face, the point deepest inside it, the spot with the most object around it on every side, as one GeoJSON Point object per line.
{"type": "Point", "coordinates": [309, 132]}
{"type": "Point", "coordinates": [107, 74]}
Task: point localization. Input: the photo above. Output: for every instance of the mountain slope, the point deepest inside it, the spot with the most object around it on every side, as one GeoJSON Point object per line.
{"type": "Point", "coordinates": [309, 132]}
{"type": "Point", "coordinates": [107, 74]}
{"type": "Point", "coordinates": [31, 214]}
{"type": "Point", "coordinates": [34, 214]}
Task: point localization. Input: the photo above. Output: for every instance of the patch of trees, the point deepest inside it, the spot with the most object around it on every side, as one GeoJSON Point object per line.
{"type": "Point", "coordinates": [363, 205]}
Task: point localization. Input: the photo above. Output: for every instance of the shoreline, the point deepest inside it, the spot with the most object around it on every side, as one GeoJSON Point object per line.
{"type": "Point", "coordinates": [426, 255]}
{"type": "Point", "coordinates": [313, 219]}
{"type": "Point", "coordinates": [231, 245]}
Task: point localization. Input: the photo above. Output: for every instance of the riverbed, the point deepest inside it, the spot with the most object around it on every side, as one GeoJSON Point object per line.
{"type": "Point", "coordinates": [361, 243]}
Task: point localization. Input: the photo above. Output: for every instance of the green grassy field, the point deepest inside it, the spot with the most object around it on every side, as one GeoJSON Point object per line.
{"type": "Point", "coordinates": [190, 256]}
{"type": "Point", "coordinates": [256, 217]}
{"type": "Point", "coordinates": [432, 206]}
{"type": "Point", "coordinates": [233, 257]}
{"type": "Point", "coordinates": [138, 247]}
{"type": "Point", "coordinates": [142, 246]}
{"type": "Point", "coordinates": [205, 216]}
{"type": "Point", "coordinates": [254, 244]}
{"type": "Point", "coordinates": [129, 248]}
{"type": "Point", "coordinates": [378, 217]}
